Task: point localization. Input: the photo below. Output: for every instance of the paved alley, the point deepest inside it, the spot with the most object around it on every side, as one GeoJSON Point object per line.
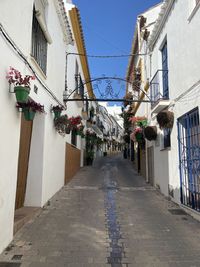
{"type": "Point", "coordinates": [107, 216]}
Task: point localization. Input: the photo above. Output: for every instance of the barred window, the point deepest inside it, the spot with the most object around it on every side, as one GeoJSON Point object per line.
{"type": "Point", "coordinates": [39, 44]}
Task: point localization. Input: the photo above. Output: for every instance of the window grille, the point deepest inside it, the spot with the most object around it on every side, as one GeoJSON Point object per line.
{"type": "Point", "coordinates": [165, 73]}
{"type": "Point", "coordinates": [39, 44]}
{"type": "Point", "coordinates": [189, 158]}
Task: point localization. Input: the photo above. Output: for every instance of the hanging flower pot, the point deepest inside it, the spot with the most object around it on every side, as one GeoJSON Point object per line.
{"type": "Point", "coordinates": [30, 108]}
{"type": "Point", "coordinates": [150, 133]}
{"type": "Point", "coordinates": [57, 111]}
{"type": "Point", "coordinates": [21, 84]}
{"type": "Point", "coordinates": [139, 137]}
{"type": "Point", "coordinates": [21, 93]}
{"type": "Point", "coordinates": [29, 114]}
{"type": "Point", "coordinates": [57, 114]}
{"type": "Point", "coordinates": [165, 119]}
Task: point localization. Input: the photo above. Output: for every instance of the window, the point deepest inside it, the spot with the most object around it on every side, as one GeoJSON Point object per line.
{"type": "Point", "coordinates": [165, 71]}
{"type": "Point", "coordinates": [39, 44]}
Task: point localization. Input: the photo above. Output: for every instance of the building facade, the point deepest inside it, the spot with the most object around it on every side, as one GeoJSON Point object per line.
{"type": "Point", "coordinates": [35, 154]}
{"type": "Point", "coordinates": [172, 72]}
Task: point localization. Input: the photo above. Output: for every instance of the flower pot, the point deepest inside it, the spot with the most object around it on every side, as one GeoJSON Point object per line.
{"type": "Point", "coordinates": [57, 113]}
{"type": "Point", "coordinates": [150, 133]}
{"type": "Point", "coordinates": [29, 114]}
{"type": "Point", "coordinates": [139, 137]}
{"type": "Point", "coordinates": [165, 119]}
{"type": "Point", "coordinates": [21, 93]}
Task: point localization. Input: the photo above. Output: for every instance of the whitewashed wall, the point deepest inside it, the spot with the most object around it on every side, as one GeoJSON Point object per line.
{"type": "Point", "coordinates": [47, 153]}
{"type": "Point", "coordinates": [183, 65]}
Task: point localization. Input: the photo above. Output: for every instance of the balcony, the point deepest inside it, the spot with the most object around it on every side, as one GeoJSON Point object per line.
{"type": "Point", "coordinates": [159, 91]}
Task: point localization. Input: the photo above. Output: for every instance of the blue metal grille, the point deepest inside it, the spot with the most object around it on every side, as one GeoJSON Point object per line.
{"type": "Point", "coordinates": [189, 158]}
{"type": "Point", "coordinates": [165, 73]}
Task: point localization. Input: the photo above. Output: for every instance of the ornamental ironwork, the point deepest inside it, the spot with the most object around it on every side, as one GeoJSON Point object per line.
{"type": "Point", "coordinates": [108, 89]}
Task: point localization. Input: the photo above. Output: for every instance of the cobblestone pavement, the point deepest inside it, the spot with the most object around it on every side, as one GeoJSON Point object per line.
{"type": "Point", "coordinates": [107, 216]}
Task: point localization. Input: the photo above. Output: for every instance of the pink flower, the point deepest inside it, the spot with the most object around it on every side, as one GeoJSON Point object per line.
{"type": "Point", "coordinates": [14, 77]}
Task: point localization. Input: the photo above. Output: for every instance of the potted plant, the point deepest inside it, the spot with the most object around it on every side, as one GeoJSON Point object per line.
{"type": "Point", "coordinates": [150, 133]}
{"type": "Point", "coordinates": [139, 121]}
{"type": "Point", "coordinates": [62, 125]}
{"type": "Point", "coordinates": [165, 119]}
{"type": "Point", "coordinates": [138, 134]}
{"type": "Point", "coordinates": [30, 108]}
{"type": "Point", "coordinates": [21, 84]}
{"type": "Point", "coordinates": [74, 121]}
{"type": "Point", "coordinates": [57, 111]}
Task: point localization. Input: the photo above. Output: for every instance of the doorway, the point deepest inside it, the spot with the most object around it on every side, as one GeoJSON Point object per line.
{"type": "Point", "coordinates": [23, 161]}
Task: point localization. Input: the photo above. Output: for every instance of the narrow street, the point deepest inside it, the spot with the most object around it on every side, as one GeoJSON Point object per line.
{"type": "Point", "coordinates": [107, 216]}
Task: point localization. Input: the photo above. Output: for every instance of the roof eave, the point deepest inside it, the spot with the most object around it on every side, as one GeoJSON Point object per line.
{"type": "Point", "coordinates": [162, 18]}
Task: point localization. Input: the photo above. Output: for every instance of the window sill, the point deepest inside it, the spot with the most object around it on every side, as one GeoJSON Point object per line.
{"type": "Point", "coordinates": [193, 12]}
{"type": "Point", "coordinates": [37, 68]}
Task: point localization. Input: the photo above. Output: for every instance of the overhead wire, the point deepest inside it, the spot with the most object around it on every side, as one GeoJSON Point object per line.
{"type": "Point", "coordinates": [23, 57]}
{"type": "Point", "coordinates": [108, 56]}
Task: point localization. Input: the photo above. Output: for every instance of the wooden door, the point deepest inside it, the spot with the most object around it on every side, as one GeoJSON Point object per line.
{"type": "Point", "coordinates": [72, 162]}
{"type": "Point", "coordinates": [23, 161]}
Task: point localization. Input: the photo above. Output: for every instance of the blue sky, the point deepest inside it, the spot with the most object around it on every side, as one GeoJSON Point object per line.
{"type": "Point", "coordinates": [108, 27]}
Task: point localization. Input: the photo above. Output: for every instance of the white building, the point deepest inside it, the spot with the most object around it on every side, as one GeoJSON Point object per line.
{"type": "Point", "coordinates": [34, 157]}
{"type": "Point", "coordinates": [138, 82]}
{"type": "Point", "coordinates": [173, 73]}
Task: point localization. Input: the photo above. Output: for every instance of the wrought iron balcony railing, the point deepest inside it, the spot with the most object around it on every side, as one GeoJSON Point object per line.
{"type": "Point", "coordinates": [159, 88]}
